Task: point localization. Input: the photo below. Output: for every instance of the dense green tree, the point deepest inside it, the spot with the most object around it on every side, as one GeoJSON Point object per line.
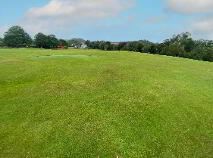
{"type": "Point", "coordinates": [41, 40]}
{"type": "Point", "coordinates": [146, 49]}
{"type": "Point", "coordinates": [17, 37]}
{"type": "Point", "coordinates": [181, 45]}
{"type": "Point", "coordinates": [154, 48]}
{"type": "Point", "coordinates": [139, 47]}
{"type": "Point", "coordinates": [173, 49]}
{"type": "Point", "coordinates": [184, 40]}
{"type": "Point", "coordinates": [121, 45]}
{"type": "Point", "coordinates": [197, 53]}
{"type": "Point", "coordinates": [1, 42]}
{"type": "Point", "coordinates": [208, 54]}
{"type": "Point", "coordinates": [52, 41]}
{"type": "Point", "coordinates": [108, 46]}
{"type": "Point", "coordinates": [63, 43]}
{"type": "Point", "coordinates": [44, 41]}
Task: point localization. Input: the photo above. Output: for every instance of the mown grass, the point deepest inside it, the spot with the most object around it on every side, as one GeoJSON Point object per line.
{"type": "Point", "coordinates": [91, 103]}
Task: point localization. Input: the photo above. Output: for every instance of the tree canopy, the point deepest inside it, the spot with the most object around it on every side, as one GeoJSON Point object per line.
{"type": "Point", "coordinates": [63, 43]}
{"type": "Point", "coordinates": [46, 41]}
{"type": "Point", "coordinates": [1, 42]}
{"type": "Point", "coordinates": [17, 37]}
{"type": "Point", "coordinates": [40, 40]}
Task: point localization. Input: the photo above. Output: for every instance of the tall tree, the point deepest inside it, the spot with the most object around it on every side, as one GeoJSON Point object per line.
{"type": "Point", "coordinates": [63, 43]}
{"type": "Point", "coordinates": [52, 41]}
{"type": "Point", "coordinates": [44, 41]}
{"type": "Point", "coordinates": [40, 40]}
{"type": "Point", "coordinates": [1, 42]}
{"type": "Point", "coordinates": [17, 37]}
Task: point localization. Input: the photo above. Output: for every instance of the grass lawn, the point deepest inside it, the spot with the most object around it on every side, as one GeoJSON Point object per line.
{"type": "Point", "coordinates": [91, 103]}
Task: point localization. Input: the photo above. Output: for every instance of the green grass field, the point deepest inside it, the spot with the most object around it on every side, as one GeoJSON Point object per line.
{"type": "Point", "coordinates": [91, 103]}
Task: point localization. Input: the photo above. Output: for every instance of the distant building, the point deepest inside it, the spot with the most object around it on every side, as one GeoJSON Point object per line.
{"type": "Point", "coordinates": [83, 46]}
{"type": "Point", "coordinates": [115, 43]}
{"type": "Point", "coordinates": [78, 46]}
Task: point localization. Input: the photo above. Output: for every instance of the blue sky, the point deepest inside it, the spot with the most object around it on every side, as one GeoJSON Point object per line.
{"type": "Point", "coordinates": [113, 20]}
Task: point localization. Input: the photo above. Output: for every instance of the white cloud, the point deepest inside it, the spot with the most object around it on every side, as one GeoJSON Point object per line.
{"type": "Point", "coordinates": [190, 6]}
{"type": "Point", "coordinates": [63, 14]}
{"type": "Point", "coordinates": [200, 19]}
{"type": "Point", "coordinates": [202, 27]}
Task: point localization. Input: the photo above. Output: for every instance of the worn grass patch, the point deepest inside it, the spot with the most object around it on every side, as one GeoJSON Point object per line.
{"type": "Point", "coordinates": [12, 61]}
{"type": "Point", "coordinates": [64, 56]}
{"type": "Point", "coordinates": [91, 103]}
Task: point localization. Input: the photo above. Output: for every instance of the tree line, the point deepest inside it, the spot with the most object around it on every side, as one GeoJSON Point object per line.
{"type": "Point", "coordinates": [181, 45]}
{"type": "Point", "coordinates": [16, 37]}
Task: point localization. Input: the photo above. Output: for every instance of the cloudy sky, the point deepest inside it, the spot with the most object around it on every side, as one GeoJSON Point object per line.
{"type": "Point", "coordinates": [114, 20]}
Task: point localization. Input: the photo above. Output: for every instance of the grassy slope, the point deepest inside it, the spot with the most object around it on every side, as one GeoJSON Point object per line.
{"type": "Point", "coordinates": [89, 103]}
